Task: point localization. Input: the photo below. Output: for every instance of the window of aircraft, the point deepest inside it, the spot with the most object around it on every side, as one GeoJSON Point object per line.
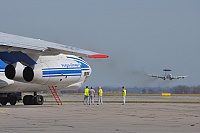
{"type": "Point", "coordinates": [86, 73]}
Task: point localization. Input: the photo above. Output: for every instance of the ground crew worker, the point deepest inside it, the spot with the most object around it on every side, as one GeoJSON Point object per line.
{"type": "Point", "coordinates": [123, 95]}
{"type": "Point", "coordinates": [100, 94]}
{"type": "Point", "coordinates": [86, 95]}
{"type": "Point", "coordinates": [92, 95]}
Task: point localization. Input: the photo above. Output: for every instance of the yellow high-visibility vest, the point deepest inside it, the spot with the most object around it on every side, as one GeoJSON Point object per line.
{"type": "Point", "coordinates": [86, 92]}
{"type": "Point", "coordinates": [100, 92]}
{"type": "Point", "coordinates": [124, 92]}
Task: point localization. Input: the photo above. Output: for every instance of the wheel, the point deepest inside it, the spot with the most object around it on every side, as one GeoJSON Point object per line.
{"type": "Point", "coordinates": [38, 100]}
{"type": "Point", "coordinates": [3, 102]}
{"type": "Point", "coordinates": [12, 100]}
{"type": "Point", "coordinates": [28, 100]}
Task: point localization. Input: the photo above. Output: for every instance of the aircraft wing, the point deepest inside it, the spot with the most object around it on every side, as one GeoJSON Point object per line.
{"type": "Point", "coordinates": [156, 76]}
{"type": "Point", "coordinates": [178, 77]}
{"type": "Point", "coordinates": [14, 45]}
{"type": "Point", "coordinates": [162, 77]}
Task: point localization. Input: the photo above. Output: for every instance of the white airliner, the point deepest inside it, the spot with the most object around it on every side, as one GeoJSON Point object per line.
{"type": "Point", "coordinates": [32, 65]}
{"type": "Point", "coordinates": [168, 76]}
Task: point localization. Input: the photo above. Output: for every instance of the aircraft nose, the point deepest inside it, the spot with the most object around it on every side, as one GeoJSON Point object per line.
{"type": "Point", "coordinates": [90, 70]}
{"type": "Point", "coordinates": [87, 72]}
{"type": "Point", "coordinates": [85, 67]}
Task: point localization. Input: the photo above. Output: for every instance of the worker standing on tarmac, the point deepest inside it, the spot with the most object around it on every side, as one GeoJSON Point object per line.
{"type": "Point", "coordinates": [100, 94]}
{"type": "Point", "coordinates": [86, 95]}
{"type": "Point", "coordinates": [123, 95]}
{"type": "Point", "coordinates": [92, 95]}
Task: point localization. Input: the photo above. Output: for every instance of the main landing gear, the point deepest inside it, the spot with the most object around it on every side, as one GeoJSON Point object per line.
{"type": "Point", "coordinates": [33, 99]}
{"type": "Point", "coordinates": [11, 98]}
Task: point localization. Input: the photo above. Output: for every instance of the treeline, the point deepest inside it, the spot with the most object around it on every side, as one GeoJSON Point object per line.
{"type": "Point", "coordinates": [181, 89]}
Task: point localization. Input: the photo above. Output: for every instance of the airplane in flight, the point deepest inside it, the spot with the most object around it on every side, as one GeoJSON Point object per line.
{"type": "Point", "coordinates": [168, 76]}
{"type": "Point", "coordinates": [32, 65]}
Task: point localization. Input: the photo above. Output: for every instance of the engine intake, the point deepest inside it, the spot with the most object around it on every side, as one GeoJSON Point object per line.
{"type": "Point", "coordinates": [28, 74]}
{"type": "Point", "coordinates": [10, 71]}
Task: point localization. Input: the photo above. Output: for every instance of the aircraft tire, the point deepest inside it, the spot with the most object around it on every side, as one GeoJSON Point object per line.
{"type": "Point", "coordinates": [12, 100]}
{"type": "Point", "coordinates": [28, 100]}
{"type": "Point", "coordinates": [38, 100]}
{"type": "Point", "coordinates": [4, 102]}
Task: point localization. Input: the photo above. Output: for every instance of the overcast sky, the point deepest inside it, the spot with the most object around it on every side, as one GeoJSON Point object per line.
{"type": "Point", "coordinates": [140, 36]}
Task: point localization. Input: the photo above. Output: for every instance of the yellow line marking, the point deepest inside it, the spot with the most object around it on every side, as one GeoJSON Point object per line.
{"type": "Point", "coordinates": [1, 111]}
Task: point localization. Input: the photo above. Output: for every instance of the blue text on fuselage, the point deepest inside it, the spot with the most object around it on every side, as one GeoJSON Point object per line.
{"type": "Point", "coordinates": [70, 65]}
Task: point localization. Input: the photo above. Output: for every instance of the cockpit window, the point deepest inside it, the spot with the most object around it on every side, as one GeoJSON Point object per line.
{"type": "Point", "coordinates": [86, 73]}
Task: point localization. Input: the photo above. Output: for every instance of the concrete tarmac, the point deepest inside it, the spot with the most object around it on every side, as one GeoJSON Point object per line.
{"type": "Point", "coordinates": [106, 118]}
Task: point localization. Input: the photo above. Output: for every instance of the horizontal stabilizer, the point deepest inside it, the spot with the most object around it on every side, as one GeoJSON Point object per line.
{"type": "Point", "coordinates": [98, 56]}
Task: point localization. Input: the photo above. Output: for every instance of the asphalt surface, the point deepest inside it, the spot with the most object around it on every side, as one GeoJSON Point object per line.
{"type": "Point", "coordinates": [107, 118]}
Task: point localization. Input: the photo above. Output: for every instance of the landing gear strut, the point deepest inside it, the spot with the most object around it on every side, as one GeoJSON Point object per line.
{"type": "Point", "coordinates": [33, 100]}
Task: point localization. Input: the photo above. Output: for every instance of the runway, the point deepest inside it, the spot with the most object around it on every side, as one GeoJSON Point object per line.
{"type": "Point", "coordinates": [107, 118]}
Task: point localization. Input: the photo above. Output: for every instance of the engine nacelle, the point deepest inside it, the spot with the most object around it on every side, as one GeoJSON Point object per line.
{"type": "Point", "coordinates": [53, 72]}
{"type": "Point", "coordinates": [14, 72]}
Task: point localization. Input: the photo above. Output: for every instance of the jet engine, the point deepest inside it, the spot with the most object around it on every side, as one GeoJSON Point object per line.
{"type": "Point", "coordinates": [49, 73]}
{"type": "Point", "coordinates": [14, 72]}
